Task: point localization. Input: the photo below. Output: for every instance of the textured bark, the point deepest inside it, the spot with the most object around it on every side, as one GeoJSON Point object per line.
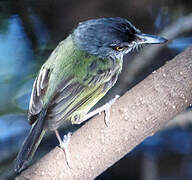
{"type": "Point", "coordinates": [138, 114]}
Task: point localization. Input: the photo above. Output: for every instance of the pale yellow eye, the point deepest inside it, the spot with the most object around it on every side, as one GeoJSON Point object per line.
{"type": "Point", "coordinates": [118, 48]}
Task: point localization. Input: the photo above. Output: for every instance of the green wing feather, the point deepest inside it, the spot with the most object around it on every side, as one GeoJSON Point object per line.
{"type": "Point", "coordinates": [71, 99]}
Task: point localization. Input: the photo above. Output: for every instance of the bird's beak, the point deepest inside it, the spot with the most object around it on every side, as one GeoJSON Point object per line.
{"type": "Point", "coordinates": [142, 38]}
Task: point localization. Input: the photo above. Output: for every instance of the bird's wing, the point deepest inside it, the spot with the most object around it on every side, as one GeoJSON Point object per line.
{"type": "Point", "coordinates": [72, 99]}
{"type": "Point", "coordinates": [39, 88]}
{"type": "Point", "coordinates": [69, 97]}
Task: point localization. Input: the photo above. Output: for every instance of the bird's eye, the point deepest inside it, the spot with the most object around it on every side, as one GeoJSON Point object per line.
{"type": "Point", "coordinates": [119, 48]}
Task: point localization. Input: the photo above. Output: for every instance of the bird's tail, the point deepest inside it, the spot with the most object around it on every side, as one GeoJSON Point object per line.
{"type": "Point", "coordinates": [31, 143]}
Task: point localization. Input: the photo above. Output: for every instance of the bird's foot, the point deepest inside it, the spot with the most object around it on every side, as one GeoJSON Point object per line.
{"type": "Point", "coordinates": [64, 145]}
{"type": "Point", "coordinates": [105, 108]}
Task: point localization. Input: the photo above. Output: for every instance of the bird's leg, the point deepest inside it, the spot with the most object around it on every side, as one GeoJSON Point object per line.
{"type": "Point", "coordinates": [64, 145]}
{"type": "Point", "coordinates": [105, 108]}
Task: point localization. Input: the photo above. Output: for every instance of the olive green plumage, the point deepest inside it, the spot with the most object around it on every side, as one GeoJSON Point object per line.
{"type": "Point", "coordinates": [77, 75]}
{"type": "Point", "coordinates": [80, 81]}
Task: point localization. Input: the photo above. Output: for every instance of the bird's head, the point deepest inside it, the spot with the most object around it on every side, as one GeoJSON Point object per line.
{"type": "Point", "coordinates": [111, 37]}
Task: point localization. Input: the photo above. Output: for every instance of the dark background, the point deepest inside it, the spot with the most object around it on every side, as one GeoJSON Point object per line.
{"type": "Point", "coordinates": [31, 29]}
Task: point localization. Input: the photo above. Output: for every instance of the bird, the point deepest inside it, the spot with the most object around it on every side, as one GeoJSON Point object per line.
{"type": "Point", "coordinates": [77, 74]}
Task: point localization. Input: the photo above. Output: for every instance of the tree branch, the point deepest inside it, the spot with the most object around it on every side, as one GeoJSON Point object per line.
{"type": "Point", "coordinates": [139, 113]}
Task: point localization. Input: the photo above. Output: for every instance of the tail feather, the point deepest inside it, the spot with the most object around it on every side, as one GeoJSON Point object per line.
{"type": "Point", "coordinates": [31, 143]}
